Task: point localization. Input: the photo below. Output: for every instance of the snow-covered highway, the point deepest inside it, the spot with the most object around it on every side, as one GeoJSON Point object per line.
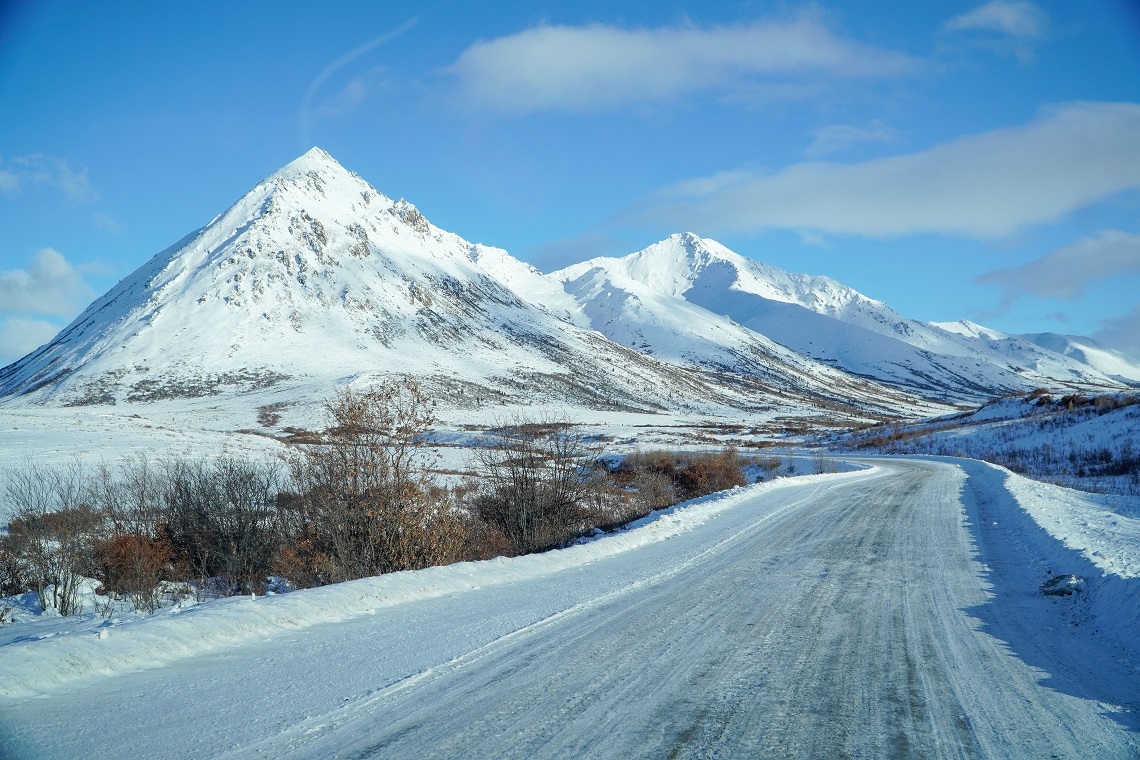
{"type": "Point", "coordinates": [874, 614]}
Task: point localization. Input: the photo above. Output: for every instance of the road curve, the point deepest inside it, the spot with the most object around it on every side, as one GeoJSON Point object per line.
{"type": "Point", "coordinates": [834, 620]}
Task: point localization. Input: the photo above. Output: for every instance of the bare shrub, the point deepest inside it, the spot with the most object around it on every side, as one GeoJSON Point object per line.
{"type": "Point", "coordinates": [131, 566]}
{"type": "Point", "coordinates": [660, 478]}
{"type": "Point", "coordinates": [56, 549]}
{"type": "Point", "coordinates": [770, 465]}
{"type": "Point", "coordinates": [821, 463]}
{"type": "Point", "coordinates": [220, 520]}
{"type": "Point", "coordinates": [536, 476]}
{"type": "Point", "coordinates": [653, 489]}
{"type": "Point", "coordinates": [365, 504]}
{"type": "Point", "coordinates": [52, 535]}
{"type": "Point", "coordinates": [703, 474]}
{"type": "Point", "coordinates": [11, 572]}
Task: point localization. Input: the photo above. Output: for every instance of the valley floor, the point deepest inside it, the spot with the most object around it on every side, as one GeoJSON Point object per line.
{"type": "Point", "coordinates": [890, 612]}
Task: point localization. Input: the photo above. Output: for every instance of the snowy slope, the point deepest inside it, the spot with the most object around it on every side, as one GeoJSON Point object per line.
{"type": "Point", "coordinates": [825, 320]}
{"type": "Point", "coordinates": [642, 317]}
{"type": "Point", "coordinates": [315, 277]}
{"type": "Point", "coordinates": [1092, 442]}
{"type": "Point", "coordinates": [312, 273]}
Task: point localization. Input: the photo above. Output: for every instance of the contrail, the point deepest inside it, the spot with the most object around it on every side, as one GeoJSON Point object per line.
{"type": "Point", "coordinates": [352, 55]}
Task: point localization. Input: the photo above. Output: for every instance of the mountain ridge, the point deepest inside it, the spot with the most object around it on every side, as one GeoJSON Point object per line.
{"type": "Point", "coordinates": [821, 318]}
{"type": "Point", "coordinates": [314, 278]}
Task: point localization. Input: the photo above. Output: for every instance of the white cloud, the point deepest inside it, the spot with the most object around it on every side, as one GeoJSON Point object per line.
{"type": "Point", "coordinates": [46, 171]}
{"type": "Point", "coordinates": [1066, 272]}
{"type": "Point", "coordinates": [1122, 333]}
{"type": "Point", "coordinates": [837, 137]}
{"type": "Point", "coordinates": [813, 239]}
{"type": "Point", "coordinates": [20, 336]}
{"type": "Point", "coordinates": [597, 67]}
{"type": "Point", "coordinates": [51, 285]}
{"type": "Point", "coordinates": [983, 186]}
{"type": "Point", "coordinates": [1016, 19]}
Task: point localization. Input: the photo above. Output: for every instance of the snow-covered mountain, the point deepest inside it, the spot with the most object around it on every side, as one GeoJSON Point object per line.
{"type": "Point", "coordinates": [315, 278]}
{"type": "Point", "coordinates": [637, 300]}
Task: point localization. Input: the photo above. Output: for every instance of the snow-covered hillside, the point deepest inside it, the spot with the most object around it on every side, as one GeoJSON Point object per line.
{"type": "Point", "coordinates": [822, 319]}
{"type": "Point", "coordinates": [316, 275]}
{"type": "Point", "coordinates": [314, 278]}
{"type": "Point", "coordinates": [1087, 442]}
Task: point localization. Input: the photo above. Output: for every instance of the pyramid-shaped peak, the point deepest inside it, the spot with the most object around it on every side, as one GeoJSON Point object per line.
{"type": "Point", "coordinates": [314, 161]}
{"type": "Point", "coordinates": [316, 177]}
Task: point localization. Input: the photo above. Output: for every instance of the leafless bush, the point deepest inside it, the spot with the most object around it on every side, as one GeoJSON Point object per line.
{"type": "Point", "coordinates": [536, 476]}
{"type": "Point", "coordinates": [11, 572]}
{"type": "Point", "coordinates": [131, 567]}
{"type": "Point", "coordinates": [821, 463]}
{"type": "Point", "coordinates": [364, 503]}
{"type": "Point", "coordinates": [703, 474]}
{"type": "Point", "coordinates": [770, 465]}
{"type": "Point", "coordinates": [219, 518]}
{"type": "Point", "coordinates": [56, 550]}
{"type": "Point", "coordinates": [653, 489]}
{"type": "Point", "coordinates": [692, 474]}
{"type": "Point", "coordinates": [52, 535]}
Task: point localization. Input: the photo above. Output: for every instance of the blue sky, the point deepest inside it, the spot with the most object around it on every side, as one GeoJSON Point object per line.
{"type": "Point", "coordinates": [958, 160]}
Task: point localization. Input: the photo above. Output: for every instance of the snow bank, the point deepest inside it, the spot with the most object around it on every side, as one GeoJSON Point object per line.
{"type": "Point", "coordinates": [1095, 525]}
{"type": "Point", "coordinates": [30, 666]}
{"type": "Point", "coordinates": [1041, 531]}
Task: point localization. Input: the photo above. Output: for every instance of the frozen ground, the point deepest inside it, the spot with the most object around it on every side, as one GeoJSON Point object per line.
{"type": "Point", "coordinates": [890, 612]}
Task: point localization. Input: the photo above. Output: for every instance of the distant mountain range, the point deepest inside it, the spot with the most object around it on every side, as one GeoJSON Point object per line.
{"type": "Point", "coordinates": [315, 278]}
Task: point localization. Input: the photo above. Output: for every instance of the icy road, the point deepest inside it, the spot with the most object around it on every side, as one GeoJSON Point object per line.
{"type": "Point", "coordinates": [889, 613]}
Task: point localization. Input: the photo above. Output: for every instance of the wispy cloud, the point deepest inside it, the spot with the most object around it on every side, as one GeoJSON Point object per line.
{"type": "Point", "coordinates": [1003, 26]}
{"type": "Point", "coordinates": [39, 170]}
{"type": "Point", "coordinates": [9, 182]}
{"type": "Point", "coordinates": [49, 285]}
{"type": "Point", "coordinates": [837, 137]}
{"type": "Point", "coordinates": [598, 67]}
{"type": "Point", "coordinates": [1067, 272]}
{"type": "Point", "coordinates": [982, 186]}
{"type": "Point", "coordinates": [354, 92]}
{"type": "Point", "coordinates": [107, 222]}
{"type": "Point", "coordinates": [1016, 19]}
